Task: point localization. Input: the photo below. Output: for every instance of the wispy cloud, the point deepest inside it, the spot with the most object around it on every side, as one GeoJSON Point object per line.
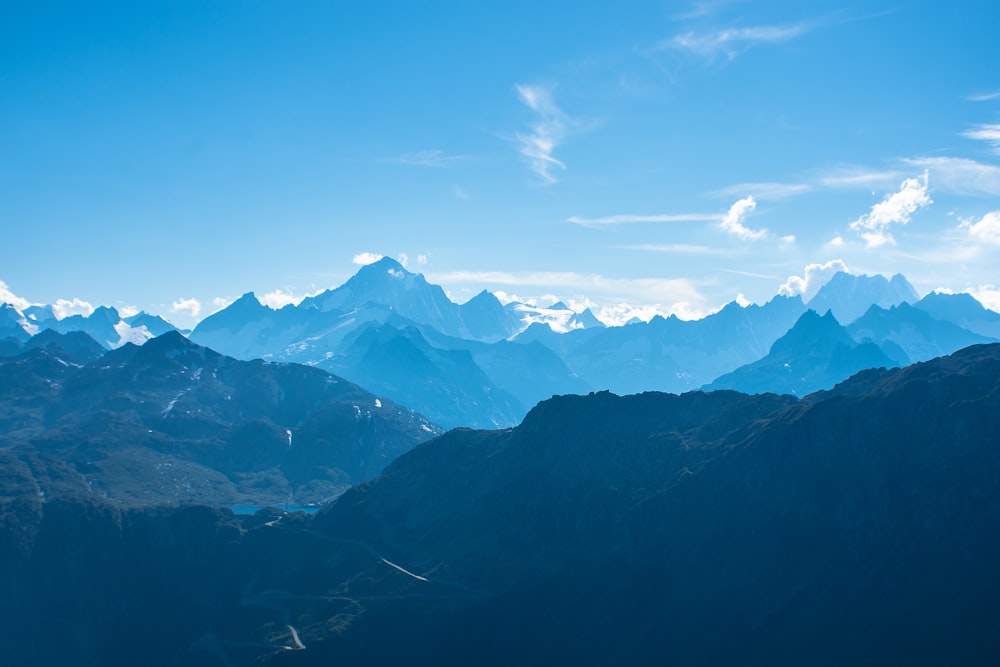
{"type": "Point", "coordinates": [859, 177]}
{"type": "Point", "coordinates": [984, 97]}
{"type": "Point", "coordinates": [627, 219]}
{"type": "Point", "coordinates": [701, 8]}
{"type": "Point", "coordinates": [550, 129]}
{"type": "Point", "coordinates": [813, 277]}
{"type": "Point", "coordinates": [429, 158]}
{"type": "Point", "coordinates": [731, 42]}
{"type": "Point", "coordinates": [190, 307]}
{"type": "Point", "coordinates": [986, 230]}
{"type": "Point", "coordinates": [896, 209]}
{"type": "Point", "coordinates": [366, 258]}
{"type": "Point", "coordinates": [649, 290]}
{"type": "Point", "coordinates": [765, 191]}
{"type": "Point", "coordinates": [733, 220]}
{"type": "Point", "coordinates": [989, 133]}
{"type": "Point", "coordinates": [680, 249]}
{"type": "Point", "coordinates": [960, 175]}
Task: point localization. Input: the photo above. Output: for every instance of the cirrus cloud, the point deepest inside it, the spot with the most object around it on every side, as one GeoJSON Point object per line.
{"type": "Point", "coordinates": [551, 127]}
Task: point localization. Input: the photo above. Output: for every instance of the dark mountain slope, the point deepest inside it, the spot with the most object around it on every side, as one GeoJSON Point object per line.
{"type": "Point", "coordinates": [854, 526]}
{"type": "Point", "coordinates": [172, 421]}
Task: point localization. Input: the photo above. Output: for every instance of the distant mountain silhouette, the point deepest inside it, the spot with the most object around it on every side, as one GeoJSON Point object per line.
{"type": "Point", "coordinates": [914, 330]}
{"type": "Point", "coordinates": [963, 310]}
{"type": "Point", "coordinates": [485, 319]}
{"type": "Point", "coordinates": [854, 526]}
{"type": "Point", "coordinates": [670, 354]}
{"type": "Point", "coordinates": [445, 385]}
{"type": "Point", "coordinates": [849, 296]}
{"type": "Point", "coordinates": [815, 354]}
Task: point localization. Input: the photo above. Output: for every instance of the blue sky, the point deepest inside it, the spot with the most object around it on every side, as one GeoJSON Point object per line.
{"type": "Point", "coordinates": [669, 156]}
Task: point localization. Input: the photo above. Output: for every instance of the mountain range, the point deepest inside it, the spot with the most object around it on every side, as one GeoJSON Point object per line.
{"type": "Point", "coordinates": [855, 525]}
{"type": "Point", "coordinates": [484, 365]}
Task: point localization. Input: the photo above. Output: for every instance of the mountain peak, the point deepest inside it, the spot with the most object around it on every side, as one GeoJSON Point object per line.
{"type": "Point", "coordinates": [849, 296]}
{"type": "Point", "coordinates": [813, 329]}
{"type": "Point", "coordinates": [387, 263]}
{"type": "Point", "coordinates": [171, 340]}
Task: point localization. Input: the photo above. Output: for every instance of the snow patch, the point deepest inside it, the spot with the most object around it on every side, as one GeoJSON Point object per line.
{"type": "Point", "coordinates": [378, 403]}
{"type": "Point", "coordinates": [171, 404]}
{"type": "Point", "coordinates": [128, 334]}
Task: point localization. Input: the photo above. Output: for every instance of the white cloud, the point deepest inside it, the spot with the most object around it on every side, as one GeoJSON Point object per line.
{"type": "Point", "coordinates": [988, 295]}
{"type": "Point", "coordinates": [366, 258]}
{"type": "Point", "coordinates": [987, 230]}
{"type": "Point", "coordinates": [814, 277]}
{"type": "Point", "coordinates": [128, 311]}
{"type": "Point", "coordinates": [220, 302]}
{"type": "Point", "coordinates": [733, 220]}
{"type": "Point", "coordinates": [279, 298]}
{"type": "Point", "coordinates": [627, 219]}
{"type": "Point", "coordinates": [731, 41]}
{"type": "Point", "coordinates": [988, 133]}
{"type": "Point", "coordinates": [67, 307]}
{"type": "Point", "coordinates": [421, 259]}
{"type": "Point", "coordinates": [896, 209]}
{"type": "Point", "coordinates": [6, 296]}
{"type": "Point", "coordinates": [403, 259]}
{"type": "Point", "coordinates": [547, 132]}
{"type": "Point", "coordinates": [430, 158]}
{"type": "Point", "coordinates": [960, 175]}
{"type": "Point", "coordinates": [765, 191]}
{"type": "Point", "coordinates": [190, 307]}
{"type": "Point", "coordinates": [836, 242]}
{"type": "Point", "coordinates": [790, 238]}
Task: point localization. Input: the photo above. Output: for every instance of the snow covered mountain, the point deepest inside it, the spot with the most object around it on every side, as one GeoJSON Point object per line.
{"type": "Point", "coordinates": [105, 325]}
